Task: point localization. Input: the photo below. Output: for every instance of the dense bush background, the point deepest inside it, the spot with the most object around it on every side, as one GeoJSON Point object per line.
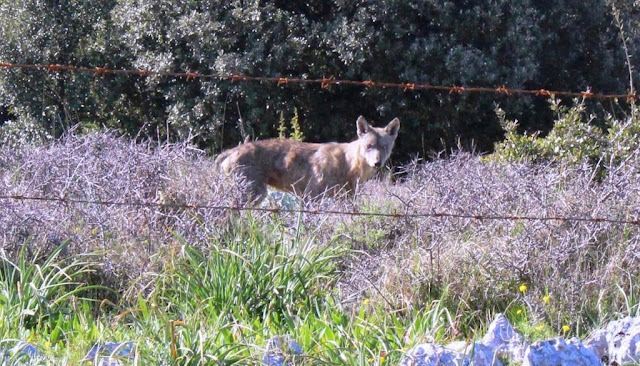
{"type": "Point", "coordinates": [565, 45]}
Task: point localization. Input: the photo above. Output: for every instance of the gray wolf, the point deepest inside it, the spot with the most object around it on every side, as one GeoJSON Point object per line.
{"type": "Point", "coordinates": [309, 169]}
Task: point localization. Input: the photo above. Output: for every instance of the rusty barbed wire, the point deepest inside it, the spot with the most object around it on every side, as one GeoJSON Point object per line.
{"type": "Point", "coordinates": [324, 82]}
{"type": "Point", "coordinates": [396, 215]}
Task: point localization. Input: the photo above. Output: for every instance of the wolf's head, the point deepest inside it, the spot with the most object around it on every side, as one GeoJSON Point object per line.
{"type": "Point", "coordinates": [376, 143]}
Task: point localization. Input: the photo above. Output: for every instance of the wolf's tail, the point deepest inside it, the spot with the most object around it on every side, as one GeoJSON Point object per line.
{"type": "Point", "coordinates": [220, 159]}
{"type": "Point", "coordinates": [225, 154]}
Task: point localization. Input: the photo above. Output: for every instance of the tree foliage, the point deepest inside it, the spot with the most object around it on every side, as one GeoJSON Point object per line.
{"type": "Point", "coordinates": [563, 44]}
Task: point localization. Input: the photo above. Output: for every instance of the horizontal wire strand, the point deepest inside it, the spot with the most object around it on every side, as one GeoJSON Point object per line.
{"type": "Point", "coordinates": [324, 82]}
{"type": "Point", "coordinates": [480, 217]}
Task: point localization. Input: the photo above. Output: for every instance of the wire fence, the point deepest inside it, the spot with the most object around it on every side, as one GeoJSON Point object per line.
{"type": "Point", "coordinates": [278, 210]}
{"type": "Point", "coordinates": [323, 82]}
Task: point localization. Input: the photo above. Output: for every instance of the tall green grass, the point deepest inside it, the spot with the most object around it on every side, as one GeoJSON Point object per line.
{"type": "Point", "coordinates": [217, 303]}
{"type": "Point", "coordinates": [45, 299]}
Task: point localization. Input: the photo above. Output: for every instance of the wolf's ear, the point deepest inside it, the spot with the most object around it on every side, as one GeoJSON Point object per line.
{"type": "Point", "coordinates": [363, 126]}
{"type": "Point", "coordinates": [393, 127]}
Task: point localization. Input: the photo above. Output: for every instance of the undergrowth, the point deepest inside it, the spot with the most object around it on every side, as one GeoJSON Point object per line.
{"type": "Point", "coordinates": [203, 285]}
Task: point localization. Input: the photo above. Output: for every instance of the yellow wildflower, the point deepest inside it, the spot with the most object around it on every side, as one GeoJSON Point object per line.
{"type": "Point", "coordinates": [546, 299]}
{"type": "Point", "coordinates": [566, 328]}
{"type": "Point", "coordinates": [523, 288]}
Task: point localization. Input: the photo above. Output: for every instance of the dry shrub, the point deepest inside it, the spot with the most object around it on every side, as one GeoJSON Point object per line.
{"type": "Point", "coordinates": [102, 167]}
{"type": "Point", "coordinates": [482, 262]}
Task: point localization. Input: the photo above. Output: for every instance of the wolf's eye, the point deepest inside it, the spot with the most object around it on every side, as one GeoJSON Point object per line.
{"type": "Point", "coordinates": [370, 146]}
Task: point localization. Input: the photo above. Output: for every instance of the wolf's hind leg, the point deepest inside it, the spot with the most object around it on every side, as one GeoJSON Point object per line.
{"type": "Point", "coordinates": [256, 192]}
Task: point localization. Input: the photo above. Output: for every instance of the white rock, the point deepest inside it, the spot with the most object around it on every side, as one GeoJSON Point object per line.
{"type": "Point", "coordinates": [281, 351]}
{"type": "Point", "coordinates": [504, 340]}
{"type": "Point", "coordinates": [480, 353]}
{"type": "Point", "coordinates": [626, 348]}
{"type": "Point", "coordinates": [619, 342]}
{"type": "Point", "coordinates": [598, 343]}
{"type": "Point", "coordinates": [501, 341]}
{"type": "Point", "coordinates": [556, 351]}
{"type": "Point", "coordinates": [429, 354]}
{"type": "Point", "coordinates": [22, 351]}
{"type": "Point", "coordinates": [484, 355]}
{"type": "Point", "coordinates": [458, 346]}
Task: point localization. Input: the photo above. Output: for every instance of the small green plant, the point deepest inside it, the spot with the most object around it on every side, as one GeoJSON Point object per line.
{"type": "Point", "coordinates": [295, 125]}
{"type": "Point", "coordinates": [573, 139]}
{"type": "Point", "coordinates": [296, 128]}
{"type": "Point", "coordinates": [516, 146]}
{"type": "Point", "coordinates": [282, 127]}
{"type": "Point", "coordinates": [630, 297]}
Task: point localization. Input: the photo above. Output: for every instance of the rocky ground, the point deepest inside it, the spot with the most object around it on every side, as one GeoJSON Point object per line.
{"type": "Point", "coordinates": [616, 344]}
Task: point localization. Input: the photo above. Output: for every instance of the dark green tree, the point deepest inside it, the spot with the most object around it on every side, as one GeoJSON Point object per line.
{"type": "Point", "coordinates": [49, 32]}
